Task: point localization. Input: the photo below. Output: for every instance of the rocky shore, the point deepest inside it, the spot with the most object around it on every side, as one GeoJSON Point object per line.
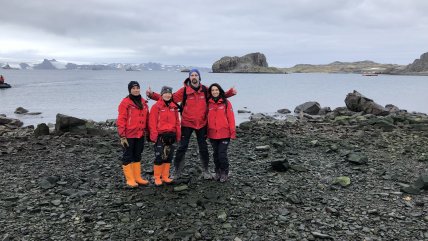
{"type": "Point", "coordinates": [336, 175]}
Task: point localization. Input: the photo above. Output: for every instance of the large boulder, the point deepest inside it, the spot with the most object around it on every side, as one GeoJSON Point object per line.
{"type": "Point", "coordinates": [65, 123]}
{"type": "Point", "coordinates": [41, 130]}
{"type": "Point", "coordinates": [357, 102]}
{"type": "Point", "coordinates": [311, 108]}
{"type": "Point", "coordinates": [250, 63]}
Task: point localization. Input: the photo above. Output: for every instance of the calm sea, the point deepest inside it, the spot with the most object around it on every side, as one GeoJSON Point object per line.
{"type": "Point", "coordinates": [96, 95]}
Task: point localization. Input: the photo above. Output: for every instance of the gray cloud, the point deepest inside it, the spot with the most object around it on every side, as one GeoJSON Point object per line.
{"type": "Point", "coordinates": [200, 32]}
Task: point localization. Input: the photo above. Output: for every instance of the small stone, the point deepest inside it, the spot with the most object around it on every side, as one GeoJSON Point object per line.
{"type": "Point", "coordinates": [280, 165]}
{"type": "Point", "coordinates": [227, 226]}
{"type": "Point", "coordinates": [263, 148]}
{"type": "Point", "coordinates": [222, 216]}
{"type": "Point", "coordinates": [366, 230]}
{"type": "Point", "coordinates": [321, 235]}
{"type": "Point", "coordinates": [180, 188]}
{"type": "Point", "coordinates": [56, 202]}
{"type": "Point", "coordinates": [315, 143]}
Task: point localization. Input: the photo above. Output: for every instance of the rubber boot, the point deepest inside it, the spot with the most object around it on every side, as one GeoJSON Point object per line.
{"type": "Point", "coordinates": [129, 176]}
{"type": "Point", "coordinates": [136, 169]}
{"type": "Point", "coordinates": [178, 167]}
{"type": "Point", "coordinates": [206, 174]}
{"type": "Point", "coordinates": [157, 172]}
{"type": "Point", "coordinates": [217, 174]}
{"type": "Point", "coordinates": [165, 173]}
{"type": "Point", "coordinates": [224, 175]}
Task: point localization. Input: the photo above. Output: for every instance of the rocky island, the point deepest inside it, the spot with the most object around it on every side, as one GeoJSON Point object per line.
{"type": "Point", "coordinates": [357, 172]}
{"type": "Point", "coordinates": [250, 63]}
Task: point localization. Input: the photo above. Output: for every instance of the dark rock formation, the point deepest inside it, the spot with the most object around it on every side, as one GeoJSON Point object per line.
{"type": "Point", "coordinates": [20, 110]}
{"type": "Point", "coordinates": [41, 130]}
{"type": "Point", "coordinates": [280, 165]}
{"type": "Point", "coordinates": [419, 65]}
{"type": "Point", "coordinates": [250, 63]}
{"type": "Point", "coordinates": [66, 123]}
{"type": "Point", "coordinates": [357, 102]}
{"type": "Point", "coordinates": [311, 108]}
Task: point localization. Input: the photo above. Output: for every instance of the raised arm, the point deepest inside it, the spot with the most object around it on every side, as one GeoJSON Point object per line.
{"type": "Point", "coordinates": [230, 92]}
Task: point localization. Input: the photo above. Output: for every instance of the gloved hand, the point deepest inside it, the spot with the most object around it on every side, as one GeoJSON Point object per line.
{"type": "Point", "coordinates": [124, 142]}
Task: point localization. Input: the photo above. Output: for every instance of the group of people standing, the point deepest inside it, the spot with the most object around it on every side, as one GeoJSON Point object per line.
{"type": "Point", "coordinates": [173, 118]}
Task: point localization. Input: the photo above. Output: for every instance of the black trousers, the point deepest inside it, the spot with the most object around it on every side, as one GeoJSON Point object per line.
{"type": "Point", "coordinates": [132, 153]}
{"type": "Point", "coordinates": [201, 135]}
{"type": "Point", "coordinates": [221, 161]}
{"type": "Point", "coordinates": [159, 151]}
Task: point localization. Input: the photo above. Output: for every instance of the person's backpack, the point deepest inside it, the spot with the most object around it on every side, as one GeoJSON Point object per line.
{"type": "Point", "coordinates": [183, 102]}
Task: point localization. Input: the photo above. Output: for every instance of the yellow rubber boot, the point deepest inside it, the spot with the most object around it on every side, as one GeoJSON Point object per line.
{"type": "Point", "coordinates": [165, 173]}
{"type": "Point", "coordinates": [129, 176]}
{"type": "Point", "coordinates": [136, 169]}
{"type": "Point", "coordinates": [157, 172]}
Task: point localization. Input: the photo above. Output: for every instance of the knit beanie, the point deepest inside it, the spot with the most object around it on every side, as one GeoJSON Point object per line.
{"type": "Point", "coordinates": [195, 70]}
{"type": "Point", "coordinates": [166, 89]}
{"type": "Point", "coordinates": [132, 84]}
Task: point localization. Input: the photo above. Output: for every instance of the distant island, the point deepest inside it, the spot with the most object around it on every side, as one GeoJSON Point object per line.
{"type": "Point", "coordinates": [250, 63]}
{"type": "Point", "coordinates": [358, 67]}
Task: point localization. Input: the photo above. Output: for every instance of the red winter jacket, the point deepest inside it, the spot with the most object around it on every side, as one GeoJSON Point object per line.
{"type": "Point", "coordinates": [194, 114]}
{"type": "Point", "coordinates": [221, 120]}
{"type": "Point", "coordinates": [131, 121]}
{"type": "Point", "coordinates": [164, 119]}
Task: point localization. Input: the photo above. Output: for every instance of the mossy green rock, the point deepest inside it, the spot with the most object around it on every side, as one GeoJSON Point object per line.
{"type": "Point", "coordinates": [343, 181]}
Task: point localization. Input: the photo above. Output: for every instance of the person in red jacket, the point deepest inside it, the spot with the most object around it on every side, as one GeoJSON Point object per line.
{"type": "Point", "coordinates": [1, 79]}
{"type": "Point", "coordinates": [193, 97]}
{"type": "Point", "coordinates": [132, 124]}
{"type": "Point", "coordinates": [164, 131]}
{"type": "Point", "coordinates": [221, 128]}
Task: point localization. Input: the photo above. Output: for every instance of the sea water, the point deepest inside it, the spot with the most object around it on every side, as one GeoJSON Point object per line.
{"type": "Point", "coordinates": [95, 95]}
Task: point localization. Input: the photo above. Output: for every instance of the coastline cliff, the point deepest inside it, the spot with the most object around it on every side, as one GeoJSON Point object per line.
{"type": "Point", "coordinates": [250, 63]}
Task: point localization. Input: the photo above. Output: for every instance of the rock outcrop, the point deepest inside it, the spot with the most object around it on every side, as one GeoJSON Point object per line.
{"type": "Point", "coordinates": [311, 108]}
{"type": "Point", "coordinates": [250, 63]}
{"type": "Point", "coordinates": [419, 65]}
{"type": "Point", "coordinates": [66, 123]}
{"type": "Point", "coordinates": [357, 102]}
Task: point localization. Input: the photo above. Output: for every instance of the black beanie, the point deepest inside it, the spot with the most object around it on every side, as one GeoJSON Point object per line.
{"type": "Point", "coordinates": [166, 89]}
{"type": "Point", "coordinates": [132, 84]}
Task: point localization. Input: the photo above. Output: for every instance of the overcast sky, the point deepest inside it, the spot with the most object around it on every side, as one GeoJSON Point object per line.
{"type": "Point", "coordinates": [192, 32]}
